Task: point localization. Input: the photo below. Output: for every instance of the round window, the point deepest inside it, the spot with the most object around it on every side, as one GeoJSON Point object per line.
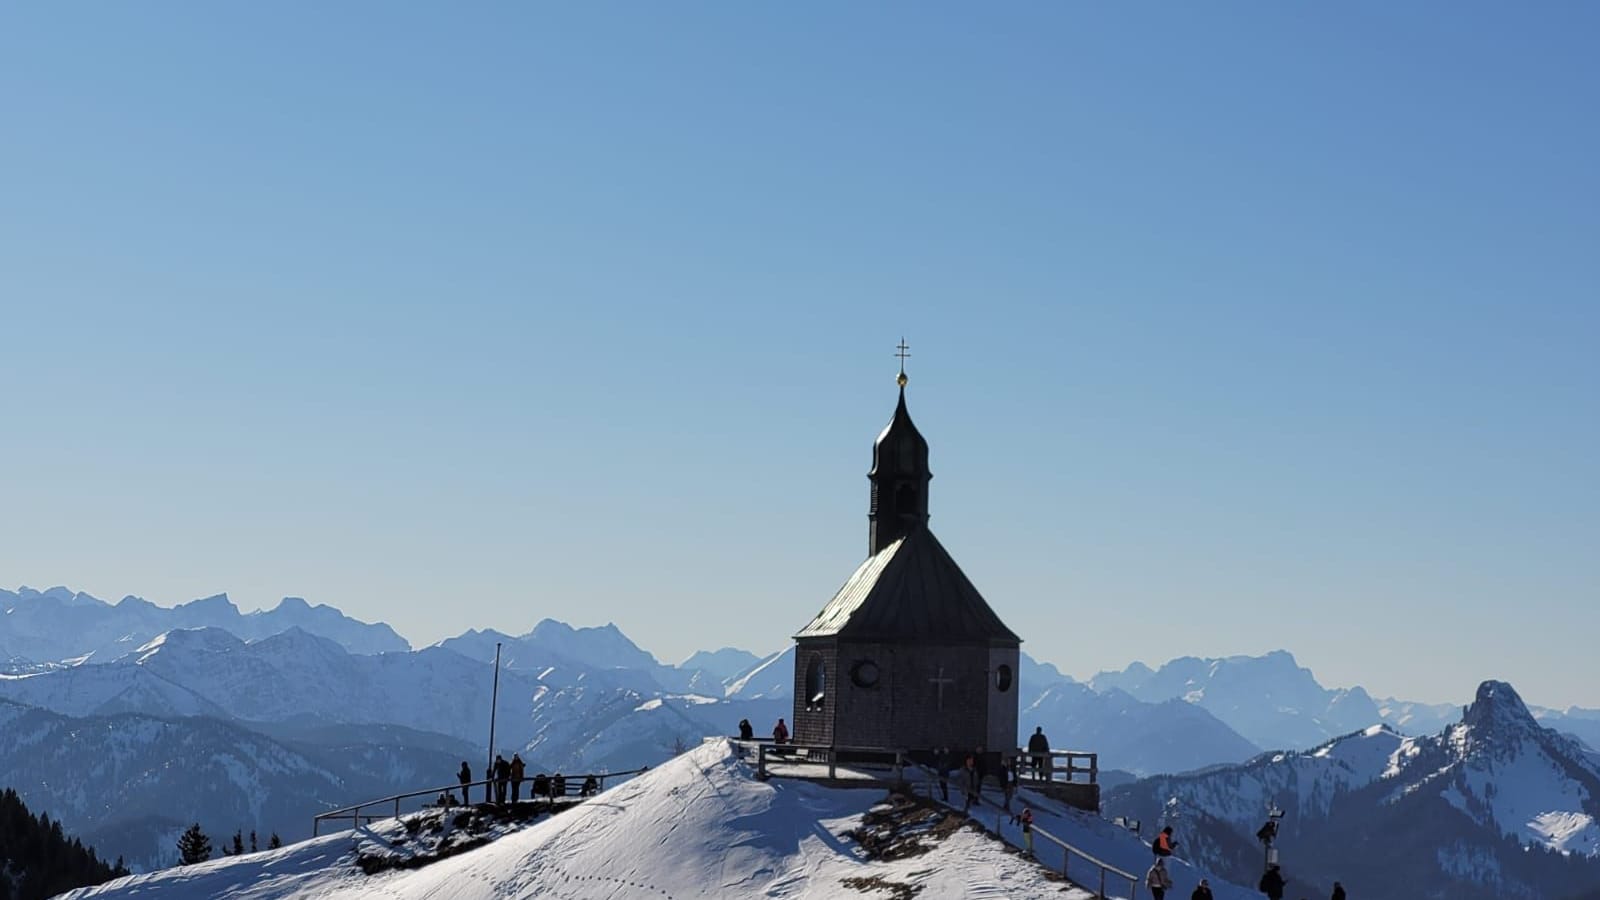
{"type": "Point", "coordinates": [1002, 678]}
{"type": "Point", "coordinates": [864, 673]}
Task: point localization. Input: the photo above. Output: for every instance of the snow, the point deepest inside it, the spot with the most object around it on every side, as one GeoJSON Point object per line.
{"type": "Point", "coordinates": [697, 827]}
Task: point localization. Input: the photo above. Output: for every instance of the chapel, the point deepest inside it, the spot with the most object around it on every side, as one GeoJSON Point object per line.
{"type": "Point", "coordinates": [907, 654]}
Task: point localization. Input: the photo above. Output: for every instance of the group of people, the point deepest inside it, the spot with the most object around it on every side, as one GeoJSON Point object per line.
{"type": "Point", "coordinates": [1159, 880]}
{"type": "Point", "coordinates": [503, 775]}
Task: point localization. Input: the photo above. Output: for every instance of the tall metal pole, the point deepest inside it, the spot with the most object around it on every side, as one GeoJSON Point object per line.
{"type": "Point", "coordinates": [494, 704]}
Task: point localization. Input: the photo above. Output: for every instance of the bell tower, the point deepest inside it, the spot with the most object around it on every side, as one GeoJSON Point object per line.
{"type": "Point", "coordinates": [899, 475]}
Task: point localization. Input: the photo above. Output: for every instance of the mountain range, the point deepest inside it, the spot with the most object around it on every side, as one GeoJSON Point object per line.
{"type": "Point", "coordinates": [348, 711]}
{"type": "Point", "coordinates": [1492, 806]}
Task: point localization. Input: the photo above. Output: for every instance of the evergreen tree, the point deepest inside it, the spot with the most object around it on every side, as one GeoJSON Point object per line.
{"type": "Point", "coordinates": [193, 846]}
{"type": "Point", "coordinates": [238, 843]}
{"type": "Point", "coordinates": [37, 860]}
{"type": "Point", "coordinates": [253, 846]}
{"type": "Point", "coordinates": [274, 842]}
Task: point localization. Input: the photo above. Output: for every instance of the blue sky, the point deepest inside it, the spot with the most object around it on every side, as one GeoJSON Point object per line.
{"type": "Point", "coordinates": [1234, 327]}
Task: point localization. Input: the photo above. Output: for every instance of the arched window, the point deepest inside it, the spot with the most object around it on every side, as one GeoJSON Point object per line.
{"type": "Point", "coordinates": [1002, 678]}
{"type": "Point", "coordinates": [816, 682]}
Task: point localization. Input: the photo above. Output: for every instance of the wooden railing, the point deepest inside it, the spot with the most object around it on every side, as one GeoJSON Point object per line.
{"type": "Point", "coordinates": [572, 785]}
{"type": "Point", "coordinates": [824, 757]}
{"type": "Point", "coordinates": [1062, 763]}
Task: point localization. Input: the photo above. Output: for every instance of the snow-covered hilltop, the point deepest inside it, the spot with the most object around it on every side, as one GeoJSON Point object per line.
{"type": "Point", "coordinates": [698, 827]}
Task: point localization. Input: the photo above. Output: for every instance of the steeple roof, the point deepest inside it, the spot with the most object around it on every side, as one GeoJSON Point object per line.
{"type": "Point", "coordinates": [900, 447]}
{"type": "Point", "coordinates": [911, 590]}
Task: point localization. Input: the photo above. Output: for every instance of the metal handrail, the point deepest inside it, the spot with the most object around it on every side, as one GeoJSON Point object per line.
{"type": "Point", "coordinates": [354, 812]}
{"type": "Point", "coordinates": [931, 778]}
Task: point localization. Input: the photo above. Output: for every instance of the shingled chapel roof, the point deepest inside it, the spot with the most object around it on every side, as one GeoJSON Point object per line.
{"type": "Point", "coordinates": [910, 590]}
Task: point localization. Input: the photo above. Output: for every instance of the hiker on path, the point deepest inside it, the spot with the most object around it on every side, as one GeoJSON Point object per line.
{"type": "Point", "coordinates": [746, 731]}
{"type": "Point", "coordinates": [502, 778]}
{"type": "Point", "coordinates": [780, 733]}
{"type": "Point", "coordinates": [519, 771]}
{"type": "Point", "coordinates": [1203, 892]}
{"type": "Point", "coordinates": [1338, 891]}
{"type": "Point", "coordinates": [1163, 844]}
{"type": "Point", "coordinates": [980, 761]}
{"type": "Point", "coordinates": [971, 783]}
{"type": "Point", "coordinates": [1039, 750]}
{"type": "Point", "coordinates": [942, 763]}
{"type": "Point", "coordinates": [465, 777]}
{"type": "Point", "coordinates": [1009, 775]}
{"type": "Point", "coordinates": [1158, 879]}
{"type": "Point", "coordinates": [1272, 883]}
{"type": "Point", "coordinates": [1025, 819]}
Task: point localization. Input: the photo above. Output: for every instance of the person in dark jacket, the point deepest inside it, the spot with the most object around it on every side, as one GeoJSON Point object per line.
{"type": "Point", "coordinates": [1039, 751]}
{"type": "Point", "coordinates": [1272, 883]}
{"type": "Point", "coordinates": [558, 785]}
{"type": "Point", "coordinates": [971, 783]}
{"type": "Point", "coordinates": [502, 778]}
{"type": "Point", "coordinates": [1202, 892]}
{"type": "Point", "coordinates": [541, 786]}
{"type": "Point", "coordinates": [590, 787]}
{"type": "Point", "coordinates": [980, 761]}
{"type": "Point", "coordinates": [746, 730]}
{"type": "Point", "coordinates": [519, 772]}
{"type": "Point", "coordinates": [488, 783]}
{"type": "Point", "coordinates": [942, 763]}
{"type": "Point", "coordinates": [1338, 891]}
{"type": "Point", "coordinates": [465, 777]}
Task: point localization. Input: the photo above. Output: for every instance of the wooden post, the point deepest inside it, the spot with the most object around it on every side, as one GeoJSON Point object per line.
{"type": "Point", "coordinates": [1094, 768]}
{"type": "Point", "coordinates": [397, 807]}
{"type": "Point", "coordinates": [761, 761]}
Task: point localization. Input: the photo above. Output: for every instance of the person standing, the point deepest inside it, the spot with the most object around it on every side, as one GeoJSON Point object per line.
{"type": "Point", "coordinates": [746, 731]}
{"type": "Point", "coordinates": [465, 777]}
{"type": "Point", "coordinates": [1163, 844]}
{"type": "Point", "coordinates": [1338, 891]}
{"type": "Point", "coordinates": [488, 783]}
{"type": "Point", "coordinates": [502, 778]}
{"type": "Point", "coordinates": [1158, 879]}
{"type": "Point", "coordinates": [558, 785]}
{"type": "Point", "coordinates": [1026, 821]}
{"type": "Point", "coordinates": [942, 765]}
{"type": "Point", "coordinates": [1009, 775]}
{"type": "Point", "coordinates": [519, 771]}
{"type": "Point", "coordinates": [780, 733]}
{"type": "Point", "coordinates": [1039, 750]}
{"type": "Point", "coordinates": [971, 784]}
{"type": "Point", "coordinates": [1203, 892]}
{"type": "Point", "coordinates": [1273, 883]}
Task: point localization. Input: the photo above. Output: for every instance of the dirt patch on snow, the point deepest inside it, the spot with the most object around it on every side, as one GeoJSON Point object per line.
{"type": "Point", "coordinates": [904, 826]}
{"type": "Point", "coordinates": [434, 834]}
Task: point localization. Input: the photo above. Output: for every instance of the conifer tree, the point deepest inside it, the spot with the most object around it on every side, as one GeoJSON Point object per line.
{"type": "Point", "coordinates": [274, 842]}
{"type": "Point", "coordinates": [238, 843]}
{"type": "Point", "coordinates": [253, 847]}
{"type": "Point", "coordinates": [193, 846]}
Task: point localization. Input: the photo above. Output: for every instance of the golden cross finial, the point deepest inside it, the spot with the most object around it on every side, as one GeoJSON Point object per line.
{"type": "Point", "coordinates": [902, 351]}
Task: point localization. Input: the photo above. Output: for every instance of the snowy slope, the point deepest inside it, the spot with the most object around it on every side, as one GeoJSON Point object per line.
{"type": "Point", "coordinates": [697, 827]}
{"type": "Point", "coordinates": [1493, 805]}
